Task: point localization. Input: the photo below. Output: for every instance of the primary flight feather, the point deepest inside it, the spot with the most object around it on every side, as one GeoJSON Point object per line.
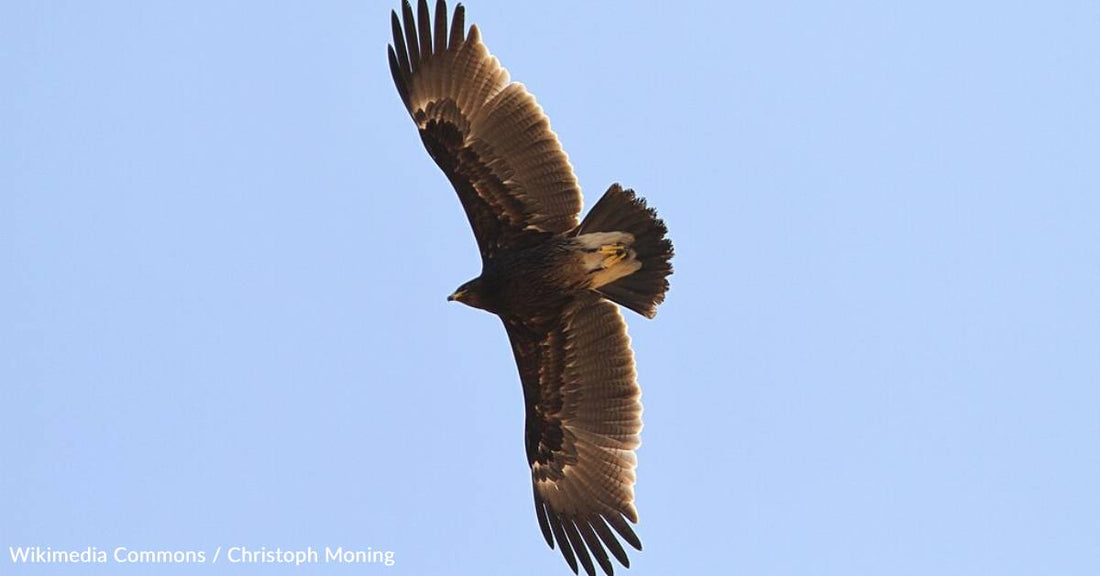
{"type": "Point", "coordinates": [550, 278]}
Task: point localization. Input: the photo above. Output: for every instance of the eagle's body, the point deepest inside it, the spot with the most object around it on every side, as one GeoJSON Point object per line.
{"type": "Point", "coordinates": [515, 279]}
{"type": "Point", "coordinates": [552, 279]}
{"type": "Point", "coordinates": [530, 282]}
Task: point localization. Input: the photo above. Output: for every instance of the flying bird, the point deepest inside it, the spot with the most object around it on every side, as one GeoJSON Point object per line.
{"type": "Point", "coordinates": [552, 279]}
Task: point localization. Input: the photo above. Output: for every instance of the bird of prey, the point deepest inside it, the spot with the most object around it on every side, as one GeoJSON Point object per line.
{"type": "Point", "coordinates": [551, 279]}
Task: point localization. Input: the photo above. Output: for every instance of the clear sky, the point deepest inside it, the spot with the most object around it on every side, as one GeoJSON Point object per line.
{"type": "Point", "coordinates": [224, 255]}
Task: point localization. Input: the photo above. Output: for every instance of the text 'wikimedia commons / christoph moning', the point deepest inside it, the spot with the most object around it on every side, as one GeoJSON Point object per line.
{"type": "Point", "coordinates": [230, 554]}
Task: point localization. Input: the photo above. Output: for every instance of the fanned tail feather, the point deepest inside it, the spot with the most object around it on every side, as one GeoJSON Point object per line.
{"type": "Point", "coordinates": [621, 210]}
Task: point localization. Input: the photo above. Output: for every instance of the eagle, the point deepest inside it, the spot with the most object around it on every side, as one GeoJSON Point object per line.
{"type": "Point", "coordinates": [553, 280]}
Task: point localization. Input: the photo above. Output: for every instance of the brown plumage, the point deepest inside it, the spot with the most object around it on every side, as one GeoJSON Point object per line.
{"type": "Point", "coordinates": [550, 278]}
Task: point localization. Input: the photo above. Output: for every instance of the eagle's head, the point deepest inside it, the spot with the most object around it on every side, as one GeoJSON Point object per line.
{"type": "Point", "coordinates": [473, 293]}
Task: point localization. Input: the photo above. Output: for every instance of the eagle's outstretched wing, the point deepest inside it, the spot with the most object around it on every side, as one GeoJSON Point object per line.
{"type": "Point", "coordinates": [584, 418]}
{"type": "Point", "coordinates": [487, 134]}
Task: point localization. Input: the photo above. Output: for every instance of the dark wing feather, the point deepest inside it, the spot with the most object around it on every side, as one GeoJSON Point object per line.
{"type": "Point", "coordinates": [584, 419]}
{"type": "Point", "coordinates": [487, 134]}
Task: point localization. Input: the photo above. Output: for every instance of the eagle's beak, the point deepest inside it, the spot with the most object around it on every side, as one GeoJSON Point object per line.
{"type": "Point", "coordinates": [458, 294]}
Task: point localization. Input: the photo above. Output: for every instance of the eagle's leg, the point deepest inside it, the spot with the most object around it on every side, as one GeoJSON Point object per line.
{"type": "Point", "coordinates": [613, 254]}
{"type": "Point", "coordinates": [607, 256]}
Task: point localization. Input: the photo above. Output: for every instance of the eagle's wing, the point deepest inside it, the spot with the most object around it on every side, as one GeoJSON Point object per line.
{"type": "Point", "coordinates": [584, 417]}
{"type": "Point", "coordinates": [487, 134]}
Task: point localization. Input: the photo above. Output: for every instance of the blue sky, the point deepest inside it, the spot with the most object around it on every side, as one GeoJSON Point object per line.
{"type": "Point", "coordinates": [224, 256]}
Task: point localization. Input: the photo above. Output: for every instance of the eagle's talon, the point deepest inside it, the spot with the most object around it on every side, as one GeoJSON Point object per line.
{"type": "Point", "coordinates": [613, 254]}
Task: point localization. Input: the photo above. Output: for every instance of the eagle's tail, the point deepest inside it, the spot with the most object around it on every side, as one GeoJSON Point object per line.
{"type": "Point", "coordinates": [643, 287]}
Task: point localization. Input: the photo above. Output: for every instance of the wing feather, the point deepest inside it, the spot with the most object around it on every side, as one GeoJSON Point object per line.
{"type": "Point", "coordinates": [425, 29]}
{"type": "Point", "coordinates": [556, 526]}
{"type": "Point", "coordinates": [440, 27]}
{"type": "Point", "coordinates": [583, 424]}
{"type": "Point", "coordinates": [578, 546]}
{"type": "Point", "coordinates": [410, 35]}
{"type": "Point", "coordinates": [488, 135]}
{"type": "Point", "coordinates": [458, 25]}
{"type": "Point", "coordinates": [402, 53]}
{"type": "Point", "coordinates": [594, 545]}
{"type": "Point", "coordinates": [610, 541]}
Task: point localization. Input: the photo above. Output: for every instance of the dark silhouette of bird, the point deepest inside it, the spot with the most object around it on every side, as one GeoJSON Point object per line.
{"type": "Point", "coordinates": [552, 280]}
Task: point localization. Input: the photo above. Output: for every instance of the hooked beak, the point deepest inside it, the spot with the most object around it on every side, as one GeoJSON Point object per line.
{"type": "Point", "coordinates": [456, 296]}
